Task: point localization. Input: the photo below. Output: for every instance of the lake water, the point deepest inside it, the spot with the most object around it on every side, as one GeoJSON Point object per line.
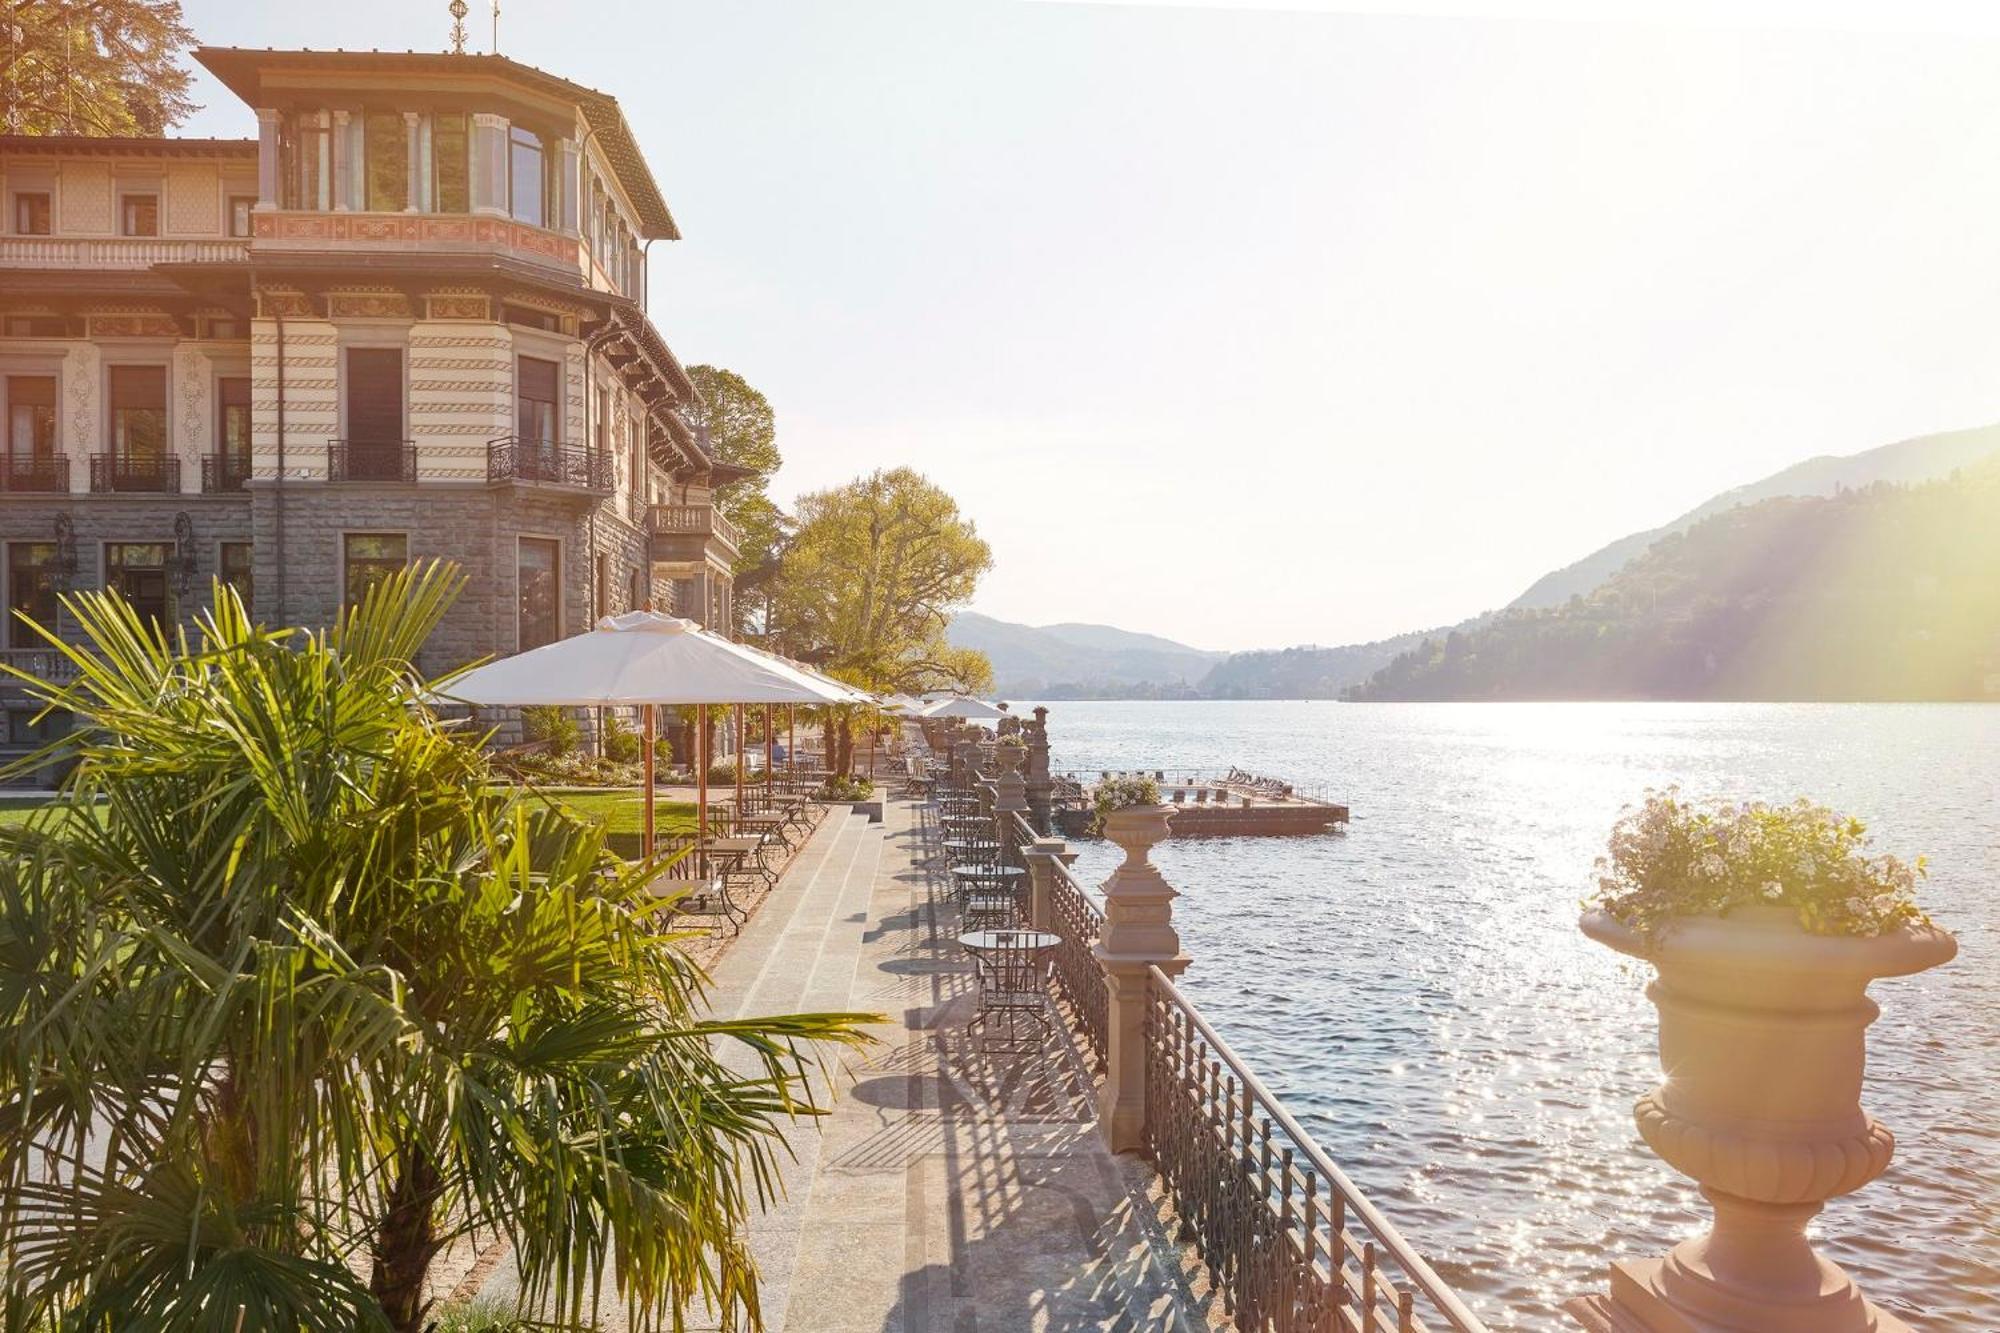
{"type": "Point", "coordinates": [1417, 989]}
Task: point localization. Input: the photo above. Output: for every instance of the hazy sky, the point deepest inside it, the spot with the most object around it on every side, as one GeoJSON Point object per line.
{"type": "Point", "coordinates": [1254, 327]}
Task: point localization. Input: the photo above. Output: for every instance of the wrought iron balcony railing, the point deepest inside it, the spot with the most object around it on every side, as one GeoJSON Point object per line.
{"type": "Point", "coordinates": [513, 459]}
{"type": "Point", "coordinates": [221, 473]}
{"type": "Point", "coordinates": [371, 460]}
{"type": "Point", "coordinates": [116, 472]}
{"type": "Point", "coordinates": [35, 473]}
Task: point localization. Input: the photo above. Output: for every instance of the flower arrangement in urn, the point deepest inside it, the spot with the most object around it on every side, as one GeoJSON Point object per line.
{"type": "Point", "coordinates": [1671, 858]}
{"type": "Point", "coordinates": [1124, 792]}
{"type": "Point", "coordinates": [1766, 924]}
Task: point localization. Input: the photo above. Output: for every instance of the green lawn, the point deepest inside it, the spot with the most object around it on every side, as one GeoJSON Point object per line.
{"type": "Point", "coordinates": [625, 811]}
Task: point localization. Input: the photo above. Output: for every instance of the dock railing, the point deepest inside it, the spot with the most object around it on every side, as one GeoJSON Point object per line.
{"type": "Point", "coordinates": [1289, 1240]}
{"type": "Point", "coordinates": [1202, 777]}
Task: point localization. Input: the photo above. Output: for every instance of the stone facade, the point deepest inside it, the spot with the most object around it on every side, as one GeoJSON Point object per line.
{"type": "Point", "coordinates": [468, 455]}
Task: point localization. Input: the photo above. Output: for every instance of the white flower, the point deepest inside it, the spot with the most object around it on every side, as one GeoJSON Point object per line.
{"type": "Point", "coordinates": [1773, 891]}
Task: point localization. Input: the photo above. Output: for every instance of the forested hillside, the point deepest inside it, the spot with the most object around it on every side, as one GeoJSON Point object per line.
{"type": "Point", "coordinates": [1890, 592]}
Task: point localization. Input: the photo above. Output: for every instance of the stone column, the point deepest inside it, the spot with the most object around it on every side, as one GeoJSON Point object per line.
{"type": "Point", "coordinates": [1041, 791]}
{"type": "Point", "coordinates": [1010, 797]}
{"type": "Point", "coordinates": [1042, 857]}
{"type": "Point", "coordinates": [343, 156]}
{"type": "Point", "coordinates": [413, 161]}
{"type": "Point", "coordinates": [1138, 935]}
{"type": "Point", "coordinates": [268, 122]}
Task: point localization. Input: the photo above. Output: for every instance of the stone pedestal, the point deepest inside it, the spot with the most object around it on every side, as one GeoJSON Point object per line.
{"type": "Point", "coordinates": [1042, 856]}
{"type": "Point", "coordinates": [1040, 789]}
{"type": "Point", "coordinates": [1763, 1044]}
{"type": "Point", "coordinates": [1138, 935]}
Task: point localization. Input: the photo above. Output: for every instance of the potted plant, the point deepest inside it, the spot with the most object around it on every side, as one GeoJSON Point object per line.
{"type": "Point", "coordinates": [1766, 924]}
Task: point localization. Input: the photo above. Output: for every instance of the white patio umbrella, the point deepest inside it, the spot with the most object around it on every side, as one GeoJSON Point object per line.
{"type": "Point", "coordinates": [959, 705]}
{"type": "Point", "coordinates": [641, 659]}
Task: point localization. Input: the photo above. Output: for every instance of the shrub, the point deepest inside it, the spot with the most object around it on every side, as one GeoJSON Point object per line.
{"type": "Point", "coordinates": [1671, 858]}
{"type": "Point", "coordinates": [621, 743]}
{"type": "Point", "coordinates": [551, 728]}
{"type": "Point", "coordinates": [846, 788]}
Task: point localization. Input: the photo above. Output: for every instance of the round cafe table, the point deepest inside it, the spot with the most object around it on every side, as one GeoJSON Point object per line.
{"type": "Point", "coordinates": [986, 874]}
{"type": "Point", "coordinates": [981, 942]}
{"type": "Point", "coordinates": [964, 849]}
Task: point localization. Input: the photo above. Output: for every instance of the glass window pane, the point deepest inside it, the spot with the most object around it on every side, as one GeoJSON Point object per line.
{"type": "Point", "coordinates": [31, 416]}
{"type": "Point", "coordinates": [239, 214]}
{"type": "Point", "coordinates": [141, 214]}
{"type": "Point", "coordinates": [386, 144]}
{"type": "Point", "coordinates": [527, 176]}
{"type": "Point", "coordinates": [139, 411]}
{"type": "Point", "coordinates": [233, 568]}
{"type": "Point", "coordinates": [370, 557]}
{"type": "Point", "coordinates": [537, 575]}
{"type": "Point", "coordinates": [537, 418]}
{"type": "Point", "coordinates": [448, 152]}
{"type": "Point", "coordinates": [31, 588]}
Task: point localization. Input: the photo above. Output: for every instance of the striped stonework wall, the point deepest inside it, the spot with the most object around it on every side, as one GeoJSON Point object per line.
{"type": "Point", "coordinates": [461, 379]}
{"type": "Point", "coordinates": [312, 405]}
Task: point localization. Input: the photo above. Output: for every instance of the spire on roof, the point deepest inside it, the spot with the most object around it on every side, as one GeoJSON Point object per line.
{"type": "Point", "coordinates": [458, 13]}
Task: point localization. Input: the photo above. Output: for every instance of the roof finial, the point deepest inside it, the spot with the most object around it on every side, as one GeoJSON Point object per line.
{"type": "Point", "coordinates": [458, 13]}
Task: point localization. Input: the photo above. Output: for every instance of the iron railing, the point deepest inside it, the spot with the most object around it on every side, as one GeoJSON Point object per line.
{"type": "Point", "coordinates": [222, 473]}
{"type": "Point", "coordinates": [1079, 977]}
{"type": "Point", "coordinates": [35, 473]}
{"type": "Point", "coordinates": [1289, 1241]}
{"type": "Point", "coordinates": [41, 663]}
{"type": "Point", "coordinates": [371, 460]}
{"type": "Point", "coordinates": [513, 459]}
{"type": "Point", "coordinates": [134, 472]}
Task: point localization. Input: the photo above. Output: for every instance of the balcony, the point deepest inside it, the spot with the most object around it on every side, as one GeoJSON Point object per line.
{"type": "Point", "coordinates": [117, 252]}
{"type": "Point", "coordinates": [129, 473]}
{"type": "Point", "coordinates": [34, 474]}
{"type": "Point", "coordinates": [223, 474]}
{"type": "Point", "coordinates": [290, 231]}
{"type": "Point", "coordinates": [371, 460]}
{"type": "Point", "coordinates": [693, 532]}
{"type": "Point", "coordinates": [541, 461]}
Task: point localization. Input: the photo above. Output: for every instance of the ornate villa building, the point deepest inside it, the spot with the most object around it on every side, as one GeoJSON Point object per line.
{"type": "Point", "coordinates": [406, 320]}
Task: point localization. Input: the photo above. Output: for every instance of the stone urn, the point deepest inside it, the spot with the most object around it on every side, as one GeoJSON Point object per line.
{"type": "Point", "coordinates": [1763, 1040]}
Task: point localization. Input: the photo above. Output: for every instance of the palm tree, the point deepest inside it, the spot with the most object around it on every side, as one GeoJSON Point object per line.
{"type": "Point", "coordinates": [291, 992]}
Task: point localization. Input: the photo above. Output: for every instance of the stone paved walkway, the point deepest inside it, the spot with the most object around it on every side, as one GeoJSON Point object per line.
{"type": "Point", "coordinates": [949, 1190]}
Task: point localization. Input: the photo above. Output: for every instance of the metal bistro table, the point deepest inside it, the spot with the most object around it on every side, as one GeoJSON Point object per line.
{"type": "Point", "coordinates": [1013, 968]}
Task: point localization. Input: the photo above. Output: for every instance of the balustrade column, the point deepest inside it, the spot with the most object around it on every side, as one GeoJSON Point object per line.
{"type": "Point", "coordinates": [1043, 857]}
{"type": "Point", "coordinates": [1010, 797]}
{"type": "Point", "coordinates": [1137, 936]}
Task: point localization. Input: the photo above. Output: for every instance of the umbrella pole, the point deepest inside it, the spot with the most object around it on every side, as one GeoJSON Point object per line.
{"type": "Point", "coordinates": [701, 791]}
{"type": "Point", "coordinates": [770, 758]}
{"type": "Point", "coordinates": [792, 738]}
{"type": "Point", "coordinates": [741, 759]}
{"type": "Point", "coordinates": [648, 743]}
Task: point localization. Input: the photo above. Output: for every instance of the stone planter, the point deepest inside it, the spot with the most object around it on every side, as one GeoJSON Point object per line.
{"type": "Point", "coordinates": [1763, 1043]}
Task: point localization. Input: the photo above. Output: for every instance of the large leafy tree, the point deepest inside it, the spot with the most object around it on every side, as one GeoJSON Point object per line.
{"type": "Point", "coordinates": [97, 67]}
{"type": "Point", "coordinates": [869, 582]}
{"type": "Point", "coordinates": [292, 996]}
{"type": "Point", "coordinates": [743, 432]}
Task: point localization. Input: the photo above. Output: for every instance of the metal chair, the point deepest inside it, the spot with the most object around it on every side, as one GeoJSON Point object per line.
{"type": "Point", "coordinates": [1013, 995]}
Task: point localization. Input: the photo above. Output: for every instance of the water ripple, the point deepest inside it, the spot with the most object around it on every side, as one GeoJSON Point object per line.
{"type": "Point", "coordinates": [1417, 991]}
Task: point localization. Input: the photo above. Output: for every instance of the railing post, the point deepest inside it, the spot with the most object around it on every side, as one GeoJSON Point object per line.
{"type": "Point", "coordinates": [1137, 936]}
{"type": "Point", "coordinates": [1041, 791]}
{"type": "Point", "coordinates": [1043, 856]}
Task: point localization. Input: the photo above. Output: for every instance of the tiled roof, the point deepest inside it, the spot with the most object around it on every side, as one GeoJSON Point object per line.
{"type": "Point", "coordinates": [241, 69]}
